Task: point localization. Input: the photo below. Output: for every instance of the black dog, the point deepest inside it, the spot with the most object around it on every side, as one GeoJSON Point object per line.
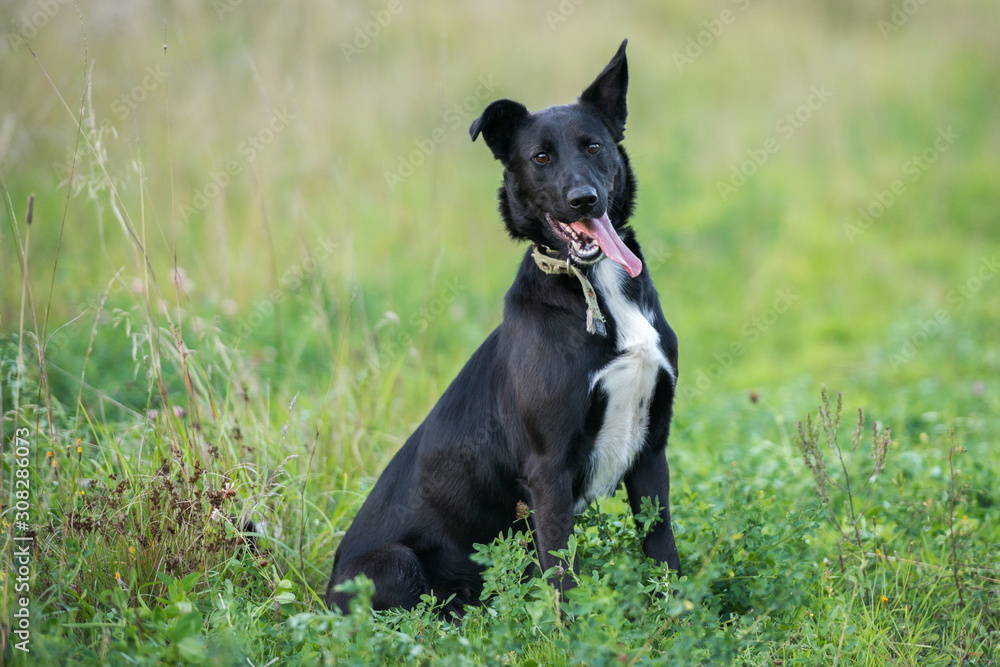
{"type": "Point", "coordinates": [569, 396]}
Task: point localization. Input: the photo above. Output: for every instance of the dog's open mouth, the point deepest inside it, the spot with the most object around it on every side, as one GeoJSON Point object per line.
{"type": "Point", "coordinates": [589, 237]}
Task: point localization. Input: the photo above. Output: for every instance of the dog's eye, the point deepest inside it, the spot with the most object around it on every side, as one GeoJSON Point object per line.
{"type": "Point", "coordinates": [541, 158]}
{"type": "Point", "coordinates": [594, 149]}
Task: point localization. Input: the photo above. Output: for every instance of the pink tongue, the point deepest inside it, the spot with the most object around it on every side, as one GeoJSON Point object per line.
{"type": "Point", "coordinates": [606, 236]}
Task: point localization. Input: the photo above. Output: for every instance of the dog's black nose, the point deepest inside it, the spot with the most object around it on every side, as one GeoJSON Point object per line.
{"type": "Point", "coordinates": [582, 198]}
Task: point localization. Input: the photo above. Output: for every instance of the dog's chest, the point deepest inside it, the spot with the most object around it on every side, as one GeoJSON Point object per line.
{"type": "Point", "coordinates": [628, 382]}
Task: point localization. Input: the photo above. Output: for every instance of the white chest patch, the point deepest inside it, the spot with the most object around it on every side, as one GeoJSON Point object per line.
{"type": "Point", "coordinates": [628, 381]}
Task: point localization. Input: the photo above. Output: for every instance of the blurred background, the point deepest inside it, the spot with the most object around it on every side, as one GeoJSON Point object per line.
{"type": "Point", "coordinates": [818, 188]}
{"type": "Point", "coordinates": [245, 246]}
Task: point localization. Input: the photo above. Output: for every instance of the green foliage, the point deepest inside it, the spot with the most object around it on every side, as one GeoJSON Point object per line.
{"type": "Point", "coordinates": [142, 565]}
{"type": "Point", "coordinates": [181, 365]}
{"type": "Point", "coordinates": [808, 440]}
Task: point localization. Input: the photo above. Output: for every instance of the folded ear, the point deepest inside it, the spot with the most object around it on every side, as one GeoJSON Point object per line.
{"type": "Point", "coordinates": [607, 93]}
{"type": "Point", "coordinates": [497, 125]}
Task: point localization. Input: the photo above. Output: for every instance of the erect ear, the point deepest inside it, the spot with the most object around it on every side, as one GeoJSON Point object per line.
{"type": "Point", "coordinates": [497, 125]}
{"type": "Point", "coordinates": [607, 93]}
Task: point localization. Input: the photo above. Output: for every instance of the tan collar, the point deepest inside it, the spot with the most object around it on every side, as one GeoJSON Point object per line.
{"type": "Point", "coordinates": [551, 265]}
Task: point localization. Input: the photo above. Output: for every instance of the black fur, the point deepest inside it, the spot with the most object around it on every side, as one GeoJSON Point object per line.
{"type": "Point", "coordinates": [521, 420]}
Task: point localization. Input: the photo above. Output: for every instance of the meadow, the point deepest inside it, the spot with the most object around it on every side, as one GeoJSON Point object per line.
{"type": "Point", "coordinates": [245, 246]}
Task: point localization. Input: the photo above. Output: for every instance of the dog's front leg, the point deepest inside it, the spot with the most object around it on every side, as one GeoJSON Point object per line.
{"type": "Point", "coordinates": [650, 478]}
{"type": "Point", "coordinates": [552, 502]}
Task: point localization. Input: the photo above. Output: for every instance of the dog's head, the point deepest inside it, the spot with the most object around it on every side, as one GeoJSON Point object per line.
{"type": "Point", "coordinates": [567, 180]}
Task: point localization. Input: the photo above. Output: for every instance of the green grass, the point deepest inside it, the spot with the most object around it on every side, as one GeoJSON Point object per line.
{"type": "Point", "coordinates": [213, 231]}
